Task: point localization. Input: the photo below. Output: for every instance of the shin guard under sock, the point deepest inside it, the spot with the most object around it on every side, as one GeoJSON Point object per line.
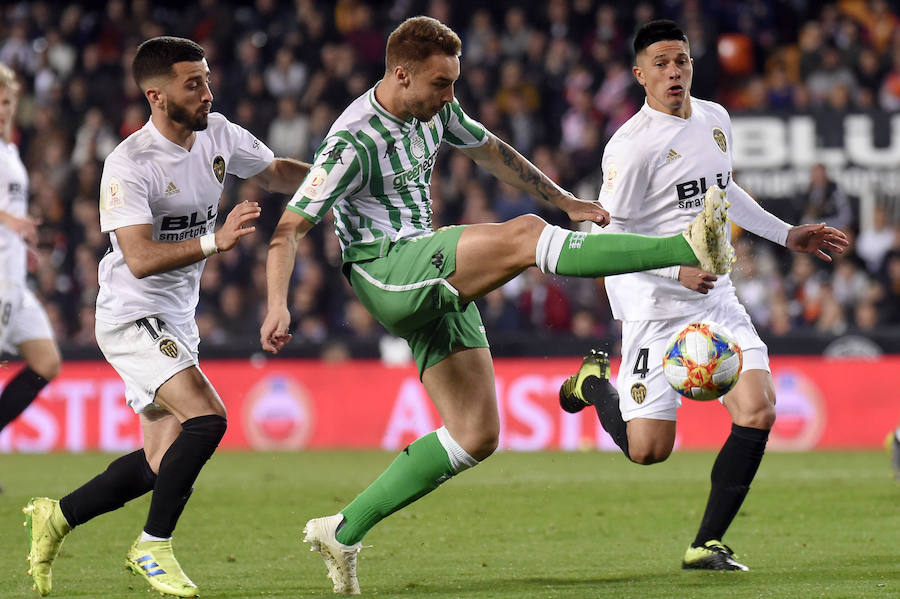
{"type": "Point", "coordinates": [603, 395]}
{"type": "Point", "coordinates": [578, 254]}
{"type": "Point", "coordinates": [178, 470]}
{"type": "Point", "coordinates": [124, 479]}
{"type": "Point", "coordinates": [18, 394]}
{"type": "Point", "coordinates": [731, 476]}
{"type": "Point", "coordinates": [417, 471]}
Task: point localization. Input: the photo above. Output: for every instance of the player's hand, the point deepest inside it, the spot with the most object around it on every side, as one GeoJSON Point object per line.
{"type": "Point", "coordinates": [24, 227]}
{"type": "Point", "coordinates": [584, 211]}
{"type": "Point", "coordinates": [273, 334]}
{"type": "Point", "coordinates": [234, 228]}
{"type": "Point", "coordinates": [696, 279]}
{"type": "Point", "coordinates": [815, 239]}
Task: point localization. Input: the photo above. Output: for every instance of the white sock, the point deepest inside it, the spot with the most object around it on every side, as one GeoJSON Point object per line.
{"type": "Point", "coordinates": [149, 537]}
{"type": "Point", "coordinates": [459, 458]}
{"type": "Point", "coordinates": [549, 245]}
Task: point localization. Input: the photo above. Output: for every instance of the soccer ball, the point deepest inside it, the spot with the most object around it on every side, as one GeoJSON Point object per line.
{"type": "Point", "coordinates": [702, 361]}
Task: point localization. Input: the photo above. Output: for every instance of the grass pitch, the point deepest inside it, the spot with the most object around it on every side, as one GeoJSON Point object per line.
{"type": "Point", "coordinates": [539, 525]}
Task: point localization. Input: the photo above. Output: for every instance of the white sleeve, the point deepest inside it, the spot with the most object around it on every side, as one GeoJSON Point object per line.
{"type": "Point", "coordinates": [249, 156]}
{"type": "Point", "coordinates": [749, 215]}
{"type": "Point", "coordinates": [124, 193]}
{"type": "Point", "coordinates": [625, 180]}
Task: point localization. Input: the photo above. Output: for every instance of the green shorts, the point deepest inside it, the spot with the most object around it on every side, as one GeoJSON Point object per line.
{"type": "Point", "coordinates": [407, 291]}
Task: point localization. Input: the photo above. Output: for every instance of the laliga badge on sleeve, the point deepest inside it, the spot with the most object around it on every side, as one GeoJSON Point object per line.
{"type": "Point", "coordinates": [113, 195]}
{"type": "Point", "coordinates": [314, 184]}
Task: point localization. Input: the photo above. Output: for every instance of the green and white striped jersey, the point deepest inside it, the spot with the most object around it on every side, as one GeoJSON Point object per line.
{"type": "Point", "coordinates": [374, 171]}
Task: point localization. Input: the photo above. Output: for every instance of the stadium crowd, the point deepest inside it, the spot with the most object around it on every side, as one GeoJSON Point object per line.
{"type": "Point", "coordinates": [555, 82]}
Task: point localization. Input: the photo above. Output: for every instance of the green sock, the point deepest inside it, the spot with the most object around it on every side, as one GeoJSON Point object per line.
{"type": "Point", "coordinates": [602, 254]}
{"type": "Point", "coordinates": [417, 471]}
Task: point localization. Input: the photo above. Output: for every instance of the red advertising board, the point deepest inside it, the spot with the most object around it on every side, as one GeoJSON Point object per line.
{"type": "Point", "coordinates": [296, 404]}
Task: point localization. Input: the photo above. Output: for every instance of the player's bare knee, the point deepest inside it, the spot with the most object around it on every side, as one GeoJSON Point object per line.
{"type": "Point", "coordinates": [762, 417]}
{"type": "Point", "coordinates": [525, 227]}
{"type": "Point", "coordinates": [47, 367]}
{"type": "Point", "coordinates": [648, 453]}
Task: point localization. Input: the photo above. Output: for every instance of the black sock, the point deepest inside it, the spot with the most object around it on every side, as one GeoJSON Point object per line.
{"type": "Point", "coordinates": [605, 398]}
{"type": "Point", "coordinates": [731, 475]}
{"type": "Point", "coordinates": [179, 469]}
{"type": "Point", "coordinates": [19, 392]}
{"type": "Point", "coordinates": [124, 479]}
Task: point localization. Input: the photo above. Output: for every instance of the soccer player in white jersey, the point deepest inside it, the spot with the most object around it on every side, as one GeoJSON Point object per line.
{"type": "Point", "coordinates": [656, 168]}
{"type": "Point", "coordinates": [159, 197]}
{"type": "Point", "coordinates": [24, 327]}
{"type": "Point", "coordinates": [373, 171]}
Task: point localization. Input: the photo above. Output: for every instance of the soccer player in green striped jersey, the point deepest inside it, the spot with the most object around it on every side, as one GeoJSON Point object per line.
{"type": "Point", "coordinates": [373, 171]}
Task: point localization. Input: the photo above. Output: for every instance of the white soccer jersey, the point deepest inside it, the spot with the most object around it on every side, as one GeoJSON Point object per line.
{"type": "Point", "coordinates": [149, 180]}
{"type": "Point", "coordinates": [656, 170]}
{"type": "Point", "coordinates": [14, 200]}
{"type": "Point", "coordinates": [374, 171]}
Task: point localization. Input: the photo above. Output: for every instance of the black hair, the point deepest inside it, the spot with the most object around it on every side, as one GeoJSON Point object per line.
{"type": "Point", "coordinates": [657, 31]}
{"type": "Point", "coordinates": [156, 56]}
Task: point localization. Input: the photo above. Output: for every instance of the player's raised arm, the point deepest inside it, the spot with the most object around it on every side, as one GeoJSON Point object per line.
{"type": "Point", "coordinates": [273, 334]}
{"type": "Point", "coordinates": [283, 175]}
{"type": "Point", "coordinates": [504, 162]}
{"type": "Point", "coordinates": [145, 257]}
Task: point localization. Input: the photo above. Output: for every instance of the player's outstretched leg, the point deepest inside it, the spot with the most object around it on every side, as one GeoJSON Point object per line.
{"type": "Point", "coordinates": [47, 529]}
{"type": "Point", "coordinates": [591, 386]}
{"type": "Point", "coordinates": [714, 555]}
{"type": "Point", "coordinates": [155, 562]}
{"type": "Point", "coordinates": [707, 234]}
{"type": "Point", "coordinates": [578, 391]}
{"type": "Point", "coordinates": [340, 559]}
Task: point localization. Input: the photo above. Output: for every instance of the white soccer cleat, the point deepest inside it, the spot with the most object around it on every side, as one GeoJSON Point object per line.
{"type": "Point", "coordinates": [340, 559]}
{"type": "Point", "coordinates": [708, 234]}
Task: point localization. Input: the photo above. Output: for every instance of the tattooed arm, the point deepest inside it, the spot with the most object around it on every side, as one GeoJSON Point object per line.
{"type": "Point", "coordinates": [504, 162]}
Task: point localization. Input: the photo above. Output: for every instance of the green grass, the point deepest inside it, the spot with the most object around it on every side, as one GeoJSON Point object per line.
{"type": "Point", "coordinates": [541, 525]}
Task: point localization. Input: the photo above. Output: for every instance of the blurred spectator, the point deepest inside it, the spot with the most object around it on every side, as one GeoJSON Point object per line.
{"type": "Point", "coordinates": [825, 202]}
{"type": "Point", "coordinates": [289, 132]}
{"type": "Point", "coordinates": [543, 304]}
{"type": "Point", "coordinates": [830, 74]}
{"type": "Point", "coordinates": [873, 244]}
{"type": "Point", "coordinates": [285, 76]}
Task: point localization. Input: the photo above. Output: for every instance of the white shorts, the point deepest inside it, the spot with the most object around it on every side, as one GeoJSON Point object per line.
{"type": "Point", "coordinates": [22, 317]}
{"type": "Point", "coordinates": [146, 353]}
{"type": "Point", "coordinates": [643, 389]}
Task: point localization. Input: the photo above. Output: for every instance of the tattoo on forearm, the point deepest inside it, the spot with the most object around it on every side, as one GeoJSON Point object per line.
{"type": "Point", "coordinates": [527, 172]}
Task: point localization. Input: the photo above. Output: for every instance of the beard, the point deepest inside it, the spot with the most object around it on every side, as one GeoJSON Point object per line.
{"type": "Point", "coordinates": [179, 114]}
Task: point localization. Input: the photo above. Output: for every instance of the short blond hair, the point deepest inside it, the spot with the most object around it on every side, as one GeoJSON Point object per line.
{"type": "Point", "coordinates": [8, 79]}
{"type": "Point", "coordinates": [417, 38]}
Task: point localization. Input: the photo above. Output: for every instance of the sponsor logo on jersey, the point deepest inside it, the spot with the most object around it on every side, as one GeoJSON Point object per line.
{"type": "Point", "coordinates": [414, 172]}
{"type": "Point", "coordinates": [255, 145]}
{"type": "Point", "coordinates": [719, 136]}
{"type": "Point", "coordinates": [638, 393]}
{"type": "Point", "coordinates": [187, 226]}
{"type": "Point", "coordinates": [690, 193]}
{"type": "Point", "coordinates": [218, 167]}
{"type": "Point", "coordinates": [168, 347]}
{"type": "Point", "coordinates": [115, 194]}
{"type": "Point", "coordinates": [334, 154]}
{"type": "Point", "coordinates": [391, 149]}
{"type": "Point", "coordinates": [172, 189]}
{"type": "Point", "coordinates": [672, 156]}
{"type": "Point", "coordinates": [314, 184]}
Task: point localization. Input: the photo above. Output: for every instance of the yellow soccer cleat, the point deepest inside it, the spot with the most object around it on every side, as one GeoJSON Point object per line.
{"type": "Point", "coordinates": [713, 555]}
{"type": "Point", "coordinates": [156, 563]}
{"type": "Point", "coordinates": [47, 529]}
{"type": "Point", "coordinates": [578, 390]}
{"type": "Point", "coordinates": [340, 559]}
{"type": "Point", "coordinates": [707, 234]}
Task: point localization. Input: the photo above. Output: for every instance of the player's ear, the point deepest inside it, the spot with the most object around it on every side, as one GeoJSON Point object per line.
{"type": "Point", "coordinates": [638, 74]}
{"type": "Point", "coordinates": [401, 73]}
{"type": "Point", "coordinates": [154, 95]}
